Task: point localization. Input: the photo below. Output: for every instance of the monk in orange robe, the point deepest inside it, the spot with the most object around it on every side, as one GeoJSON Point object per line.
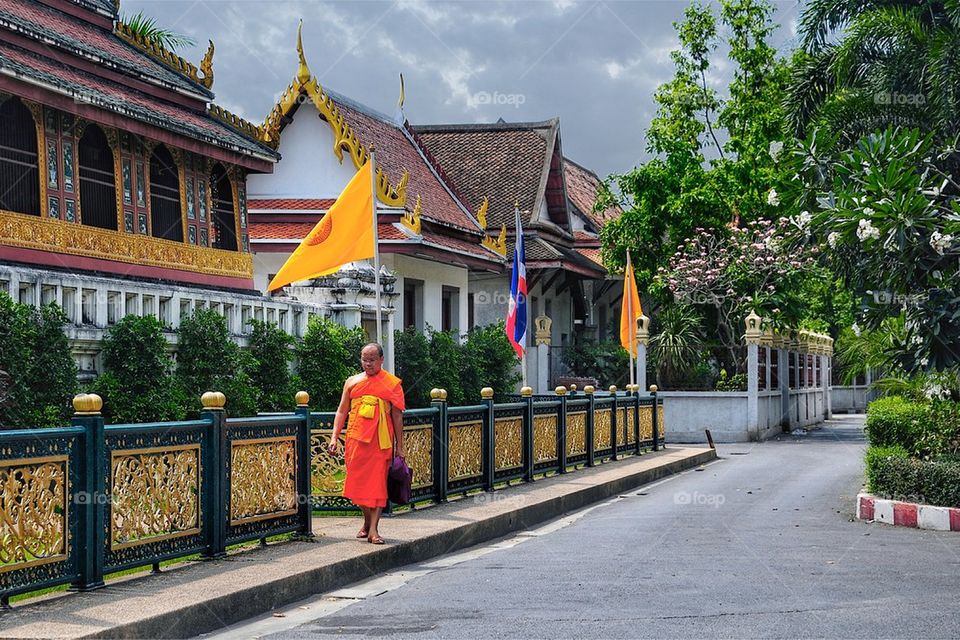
{"type": "Point", "coordinates": [374, 402]}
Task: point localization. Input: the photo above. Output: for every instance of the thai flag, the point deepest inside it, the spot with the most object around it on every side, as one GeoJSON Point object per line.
{"type": "Point", "coordinates": [517, 310]}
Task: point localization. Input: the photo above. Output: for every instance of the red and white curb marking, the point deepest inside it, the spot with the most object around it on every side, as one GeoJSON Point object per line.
{"type": "Point", "coordinates": [907, 514]}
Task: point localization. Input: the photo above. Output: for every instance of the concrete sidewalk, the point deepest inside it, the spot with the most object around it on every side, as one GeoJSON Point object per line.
{"type": "Point", "coordinates": [197, 597]}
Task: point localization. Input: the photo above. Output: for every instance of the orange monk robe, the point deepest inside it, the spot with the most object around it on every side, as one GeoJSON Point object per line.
{"type": "Point", "coordinates": [369, 438]}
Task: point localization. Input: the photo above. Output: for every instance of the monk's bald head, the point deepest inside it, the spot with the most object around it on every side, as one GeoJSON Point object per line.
{"type": "Point", "coordinates": [371, 358]}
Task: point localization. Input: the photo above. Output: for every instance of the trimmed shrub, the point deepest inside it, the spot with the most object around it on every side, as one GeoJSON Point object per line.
{"type": "Point", "coordinates": [489, 361]}
{"type": "Point", "coordinates": [413, 364]}
{"type": "Point", "coordinates": [896, 421]}
{"type": "Point", "coordinates": [136, 384]}
{"type": "Point", "coordinates": [446, 367]}
{"type": "Point", "coordinates": [38, 377]}
{"type": "Point", "coordinates": [326, 359]}
{"type": "Point", "coordinates": [209, 360]}
{"type": "Point", "coordinates": [270, 351]}
{"type": "Point", "coordinates": [875, 457]}
{"type": "Point", "coordinates": [912, 480]}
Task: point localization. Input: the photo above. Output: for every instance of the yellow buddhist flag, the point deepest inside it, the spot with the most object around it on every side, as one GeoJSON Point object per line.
{"type": "Point", "coordinates": [344, 234]}
{"type": "Point", "coordinates": [631, 310]}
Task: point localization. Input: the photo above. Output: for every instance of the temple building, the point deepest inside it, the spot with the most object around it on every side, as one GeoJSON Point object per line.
{"type": "Point", "coordinates": [122, 186]}
{"type": "Point", "coordinates": [446, 196]}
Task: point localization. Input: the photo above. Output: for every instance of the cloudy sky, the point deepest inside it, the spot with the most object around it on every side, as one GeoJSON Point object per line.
{"type": "Point", "coordinates": [593, 64]}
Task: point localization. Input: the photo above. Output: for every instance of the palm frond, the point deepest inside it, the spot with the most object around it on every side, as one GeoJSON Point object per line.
{"type": "Point", "coordinates": [147, 29]}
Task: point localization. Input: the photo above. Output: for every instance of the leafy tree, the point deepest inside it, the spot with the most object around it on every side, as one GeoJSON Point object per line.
{"type": "Point", "coordinates": [38, 376]}
{"type": "Point", "coordinates": [889, 227]}
{"type": "Point", "coordinates": [326, 358]}
{"type": "Point", "coordinates": [209, 360]}
{"type": "Point", "coordinates": [413, 364]}
{"type": "Point", "coordinates": [667, 198]}
{"type": "Point", "coordinates": [489, 361]}
{"type": "Point", "coordinates": [871, 64]}
{"type": "Point", "coordinates": [137, 384]}
{"type": "Point", "coordinates": [606, 361]}
{"type": "Point", "coordinates": [271, 352]}
{"type": "Point", "coordinates": [446, 367]}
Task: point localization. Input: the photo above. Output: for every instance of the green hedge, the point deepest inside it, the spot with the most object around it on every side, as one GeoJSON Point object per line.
{"type": "Point", "coordinates": [891, 474]}
{"type": "Point", "coordinates": [896, 421]}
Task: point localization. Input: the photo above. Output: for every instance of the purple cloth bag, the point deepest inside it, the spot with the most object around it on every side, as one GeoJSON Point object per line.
{"type": "Point", "coordinates": [399, 479]}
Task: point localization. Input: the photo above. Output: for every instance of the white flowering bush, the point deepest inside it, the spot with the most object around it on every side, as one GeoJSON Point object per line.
{"type": "Point", "coordinates": [887, 217]}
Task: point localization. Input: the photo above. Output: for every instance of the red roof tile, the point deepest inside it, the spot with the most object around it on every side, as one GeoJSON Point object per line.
{"type": "Point", "coordinates": [582, 186]}
{"type": "Point", "coordinates": [292, 204]}
{"type": "Point", "coordinates": [299, 230]}
{"type": "Point", "coordinates": [396, 152]}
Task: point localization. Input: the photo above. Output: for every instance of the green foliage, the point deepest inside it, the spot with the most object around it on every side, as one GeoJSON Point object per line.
{"type": "Point", "coordinates": [895, 421]}
{"type": "Point", "coordinates": [695, 180]}
{"type": "Point", "coordinates": [209, 360]}
{"type": "Point", "coordinates": [446, 367]}
{"type": "Point", "coordinates": [737, 382]}
{"type": "Point", "coordinates": [38, 376]}
{"type": "Point", "coordinates": [136, 384]}
{"type": "Point", "coordinates": [413, 364]}
{"type": "Point", "coordinates": [607, 361]}
{"type": "Point", "coordinates": [489, 361]}
{"type": "Point", "coordinates": [147, 29]}
{"type": "Point", "coordinates": [875, 457]}
{"type": "Point", "coordinates": [928, 482]}
{"type": "Point", "coordinates": [271, 352]}
{"type": "Point", "coordinates": [876, 63]}
{"type": "Point", "coordinates": [677, 344]}
{"type": "Point", "coordinates": [888, 221]}
{"type": "Point", "coordinates": [326, 358]}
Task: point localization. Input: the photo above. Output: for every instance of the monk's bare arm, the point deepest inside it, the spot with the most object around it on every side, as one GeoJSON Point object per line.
{"type": "Point", "coordinates": [342, 411]}
{"type": "Point", "coordinates": [396, 417]}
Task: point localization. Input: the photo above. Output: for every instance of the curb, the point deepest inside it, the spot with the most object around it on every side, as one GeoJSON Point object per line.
{"type": "Point", "coordinates": [202, 617]}
{"type": "Point", "coordinates": [907, 514]}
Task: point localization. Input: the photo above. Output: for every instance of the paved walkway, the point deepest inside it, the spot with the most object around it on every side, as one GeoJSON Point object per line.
{"type": "Point", "coordinates": [204, 596]}
{"type": "Point", "coordinates": [760, 544]}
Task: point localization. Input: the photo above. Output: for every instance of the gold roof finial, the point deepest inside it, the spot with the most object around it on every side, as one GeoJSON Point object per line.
{"type": "Point", "coordinates": [303, 71]}
{"type": "Point", "coordinates": [206, 66]}
{"type": "Point", "coordinates": [482, 213]}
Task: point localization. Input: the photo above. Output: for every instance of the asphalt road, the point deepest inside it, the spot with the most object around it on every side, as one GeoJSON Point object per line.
{"type": "Point", "coordinates": [759, 544]}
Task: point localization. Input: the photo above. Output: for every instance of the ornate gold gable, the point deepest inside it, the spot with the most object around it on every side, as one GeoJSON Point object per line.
{"type": "Point", "coordinates": [344, 139]}
{"type": "Point", "coordinates": [157, 51]}
{"type": "Point", "coordinates": [411, 220]}
{"type": "Point", "coordinates": [498, 244]}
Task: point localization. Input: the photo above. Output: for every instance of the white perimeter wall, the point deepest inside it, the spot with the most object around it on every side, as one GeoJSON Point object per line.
{"type": "Point", "coordinates": [435, 276]}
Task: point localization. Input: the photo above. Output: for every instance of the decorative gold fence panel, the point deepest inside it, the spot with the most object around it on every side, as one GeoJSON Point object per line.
{"type": "Point", "coordinates": [466, 449]}
{"type": "Point", "coordinates": [418, 447]}
{"type": "Point", "coordinates": [601, 429]}
{"type": "Point", "coordinates": [508, 439]}
{"type": "Point", "coordinates": [33, 511]}
{"type": "Point", "coordinates": [576, 433]}
{"type": "Point", "coordinates": [545, 437]}
{"type": "Point", "coordinates": [622, 426]}
{"type": "Point", "coordinates": [327, 472]}
{"type": "Point", "coordinates": [155, 494]}
{"type": "Point", "coordinates": [631, 432]}
{"type": "Point", "coordinates": [263, 479]}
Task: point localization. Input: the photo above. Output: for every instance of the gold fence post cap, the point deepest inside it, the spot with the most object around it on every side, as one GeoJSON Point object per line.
{"type": "Point", "coordinates": [526, 392]}
{"type": "Point", "coordinates": [486, 393]}
{"type": "Point", "coordinates": [613, 388]}
{"type": "Point", "coordinates": [653, 388]}
{"type": "Point", "coordinates": [561, 391]}
{"type": "Point", "coordinates": [87, 404]}
{"type": "Point", "coordinates": [438, 394]}
{"type": "Point", "coordinates": [573, 387]}
{"type": "Point", "coordinates": [588, 389]}
{"type": "Point", "coordinates": [303, 399]}
{"type": "Point", "coordinates": [213, 401]}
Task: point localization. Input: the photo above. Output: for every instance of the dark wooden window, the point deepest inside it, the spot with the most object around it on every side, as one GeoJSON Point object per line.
{"type": "Point", "coordinates": [98, 188]}
{"type": "Point", "coordinates": [165, 218]}
{"type": "Point", "coordinates": [762, 368]}
{"type": "Point", "coordinates": [19, 170]}
{"type": "Point", "coordinates": [224, 220]}
{"type": "Point", "coordinates": [774, 369]}
{"type": "Point", "coordinates": [792, 368]}
{"type": "Point", "coordinates": [134, 162]}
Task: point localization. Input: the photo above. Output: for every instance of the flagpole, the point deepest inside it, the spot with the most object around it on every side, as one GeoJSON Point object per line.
{"type": "Point", "coordinates": [633, 323]}
{"type": "Point", "coordinates": [376, 244]}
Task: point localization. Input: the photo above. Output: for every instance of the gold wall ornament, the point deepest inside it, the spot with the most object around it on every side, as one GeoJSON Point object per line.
{"type": "Point", "coordinates": [466, 456]}
{"type": "Point", "coordinates": [155, 494]}
{"type": "Point", "coordinates": [508, 442]}
{"type": "Point", "coordinates": [621, 426]}
{"type": "Point", "coordinates": [33, 511]}
{"type": "Point", "coordinates": [661, 423]}
{"type": "Point", "coordinates": [46, 234]}
{"type": "Point", "coordinates": [631, 432]}
{"type": "Point", "coordinates": [243, 126]}
{"type": "Point", "coordinates": [158, 52]}
{"type": "Point", "coordinates": [646, 422]}
{"type": "Point", "coordinates": [544, 331]}
{"type": "Point", "coordinates": [263, 479]}
{"type": "Point", "coordinates": [327, 472]}
{"type": "Point", "coordinates": [545, 438]}
{"type": "Point", "coordinates": [482, 213]}
{"type": "Point", "coordinates": [498, 244]}
{"type": "Point", "coordinates": [206, 66]}
{"type": "Point", "coordinates": [752, 324]}
{"type": "Point", "coordinates": [601, 429]}
{"type": "Point", "coordinates": [418, 447]}
{"type": "Point", "coordinates": [411, 219]}
{"type": "Point", "coordinates": [576, 433]}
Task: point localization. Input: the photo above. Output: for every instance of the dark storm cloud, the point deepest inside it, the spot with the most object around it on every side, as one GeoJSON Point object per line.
{"type": "Point", "coordinates": [593, 64]}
